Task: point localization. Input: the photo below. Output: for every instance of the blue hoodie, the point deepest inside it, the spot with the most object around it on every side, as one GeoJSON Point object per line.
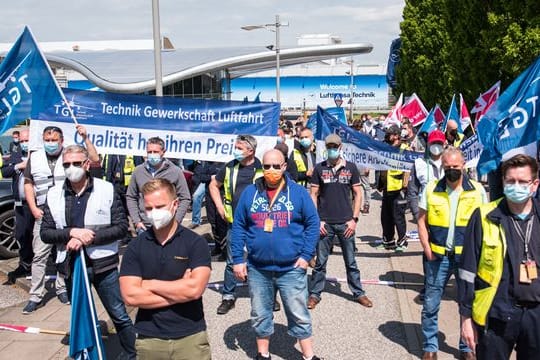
{"type": "Point", "coordinates": [295, 233]}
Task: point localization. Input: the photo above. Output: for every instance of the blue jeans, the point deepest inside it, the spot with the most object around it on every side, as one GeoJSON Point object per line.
{"type": "Point", "coordinates": [318, 276]}
{"type": "Point", "coordinates": [108, 290]}
{"type": "Point", "coordinates": [292, 286]}
{"type": "Point", "coordinates": [229, 280]}
{"type": "Point", "coordinates": [437, 273]}
{"type": "Point", "coordinates": [198, 196]}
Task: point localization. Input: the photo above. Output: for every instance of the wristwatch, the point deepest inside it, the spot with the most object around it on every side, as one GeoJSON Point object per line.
{"type": "Point", "coordinates": [355, 219]}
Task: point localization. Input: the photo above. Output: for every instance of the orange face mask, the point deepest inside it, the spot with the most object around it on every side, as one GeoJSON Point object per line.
{"type": "Point", "coordinates": [272, 177]}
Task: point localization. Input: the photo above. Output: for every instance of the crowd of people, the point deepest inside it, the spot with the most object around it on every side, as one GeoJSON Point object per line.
{"type": "Point", "coordinates": [70, 201]}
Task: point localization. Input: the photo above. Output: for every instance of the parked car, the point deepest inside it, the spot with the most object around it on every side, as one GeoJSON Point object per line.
{"type": "Point", "coordinates": [9, 247]}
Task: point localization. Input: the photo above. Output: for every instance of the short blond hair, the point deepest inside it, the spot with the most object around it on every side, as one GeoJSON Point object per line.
{"type": "Point", "coordinates": [159, 184]}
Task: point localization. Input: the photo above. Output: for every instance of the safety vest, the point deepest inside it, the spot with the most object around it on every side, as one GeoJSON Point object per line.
{"type": "Point", "coordinates": [300, 165]}
{"type": "Point", "coordinates": [96, 216]}
{"type": "Point", "coordinates": [394, 178]}
{"type": "Point", "coordinates": [129, 167]}
{"type": "Point", "coordinates": [43, 178]}
{"type": "Point", "coordinates": [229, 186]}
{"type": "Point", "coordinates": [490, 265]}
{"type": "Point", "coordinates": [438, 213]}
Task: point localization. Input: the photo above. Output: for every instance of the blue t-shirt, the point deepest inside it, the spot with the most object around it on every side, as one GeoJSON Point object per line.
{"type": "Point", "coordinates": [148, 259]}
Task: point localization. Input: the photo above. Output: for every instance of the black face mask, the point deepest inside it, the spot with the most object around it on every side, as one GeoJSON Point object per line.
{"type": "Point", "coordinates": [452, 175]}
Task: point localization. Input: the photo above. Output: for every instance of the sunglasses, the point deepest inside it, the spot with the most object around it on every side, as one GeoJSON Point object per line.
{"type": "Point", "coordinates": [74, 163]}
{"type": "Point", "coordinates": [272, 166]}
{"type": "Point", "coordinates": [246, 139]}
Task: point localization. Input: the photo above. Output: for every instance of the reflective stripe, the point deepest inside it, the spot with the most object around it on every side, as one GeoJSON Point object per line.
{"type": "Point", "coordinates": [229, 186]}
{"type": "Point", "coordinates": [467, 276]}
{"type": "Point", "coordinates": [441, 250]}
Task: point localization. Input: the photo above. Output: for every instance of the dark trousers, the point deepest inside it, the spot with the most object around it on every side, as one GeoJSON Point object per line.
{"type": "Point", "coordinates": [24, 223]}
{"type": "Point", "coordinates": [522, 331]}
{"type": "Point", "coordinates": [393, 217]}
{"type": "Point", "coordinates": [219, 226]}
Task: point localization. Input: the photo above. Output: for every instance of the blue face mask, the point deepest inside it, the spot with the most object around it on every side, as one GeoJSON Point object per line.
{"type": "Point", "coordinates": [305, 142]}
{"type": "Point", "coordinates": [516, 193]}
{"type": "Point", "coordinates": [238, 154]}
{"type": "Point", "coordinates": [279, 140]}
{"type": "Point", "coordinates": [24, 146]}
{"type": "Point", "coordinates": [154, 159]}
{"type": "Point", "coordinates": [333, 154]}
{"type": "Point", "coordinates": [50, 147]}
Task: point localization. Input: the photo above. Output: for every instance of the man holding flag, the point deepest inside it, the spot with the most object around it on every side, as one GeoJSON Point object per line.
{"type": "Point", "coordinates": [85, 212]}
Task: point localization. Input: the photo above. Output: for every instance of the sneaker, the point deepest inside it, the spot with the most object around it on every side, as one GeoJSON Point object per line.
{"type": "Point", "coordinates": [63, 298]}
{"type": "Point", "coordinates": [315, 357]}
{"type": "Point", "coordinates": [193, 226]}
{"type": "Point", "coordinates": [225, 306]}
{"type": "Point", "coordinates": [312, 302]}
{"type": "Point", "coordinates": [17, 273]}
{"type": "Point", "coordinates": [260, 357]}
{"type": "Point", "coordinates": [277, 305]}
{"type": "Point", "coordinates": [31, 307]}
{"type": "Point", "coordinates": [365, 209]}
{"type": "Point", "coordinates": [402, 246]}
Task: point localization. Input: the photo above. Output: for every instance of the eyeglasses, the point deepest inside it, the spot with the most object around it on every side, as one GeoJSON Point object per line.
{"type": "Point", "coordinates": [519, 182]}
{"type": "Point", "coordinates": [246, 139]}
{"type": "Point", "coordinates": [272, 166]}
{"type": "Point", "coordinates": [74, 163]}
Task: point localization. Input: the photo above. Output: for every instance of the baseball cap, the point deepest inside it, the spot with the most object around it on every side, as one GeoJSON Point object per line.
{"type": "Point", "coordinates": [393, 130]}
{"type": "Point", "coordinates": [436, 136]}
{"type": "Point", "coordinates": [332, 139]}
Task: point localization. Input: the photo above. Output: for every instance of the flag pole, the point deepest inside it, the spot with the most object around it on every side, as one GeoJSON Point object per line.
{"type": "Point", "coordinates": [89, 296]}
{"type": "Point", "coordinates": [71, 113]}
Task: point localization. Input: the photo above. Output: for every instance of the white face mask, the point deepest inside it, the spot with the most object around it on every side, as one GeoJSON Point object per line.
{"type": "Point", "coordinates": [74, 173]}
{"type": "Point", "coordinates": [436, 149]}
{"type": "Point", "coordinates": [160, 217]}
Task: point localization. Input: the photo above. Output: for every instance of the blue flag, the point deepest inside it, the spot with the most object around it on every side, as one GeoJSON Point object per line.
{"type": "Point", "coordinates": [452, 114]}
{"type": "Point", "coordinates": [430, 124]}
{"type": "Point", "coordinates": [510, 126]}
{"type": "Point", "coordinates": [360, 148]}
{"type": "Point", "coordinates": [393, 62]}
{"type": "Point", "coordinates": [27, 85]}
{"type": "Point", "coordinates": [85, 333]}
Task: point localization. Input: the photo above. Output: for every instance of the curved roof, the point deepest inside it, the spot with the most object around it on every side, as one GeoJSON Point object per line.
{"type": "Point", "coordinates": [132, 71]}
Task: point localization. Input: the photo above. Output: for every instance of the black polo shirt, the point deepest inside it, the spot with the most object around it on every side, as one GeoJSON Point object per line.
{"type": "Point", "coordinates": [148, 259]}
{"type": "Point", "coordinates": [335, 191]}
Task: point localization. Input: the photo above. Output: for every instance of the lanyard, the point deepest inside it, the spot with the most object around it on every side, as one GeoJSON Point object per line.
{"type": "Point", "coordinates": [274, 198]}
{"type": "Point", "coordinates": [526, 238]}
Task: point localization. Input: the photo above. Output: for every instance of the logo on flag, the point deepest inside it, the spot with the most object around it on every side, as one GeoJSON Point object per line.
{"type": "Point", "coordinates": [414, 110]}
{"type": "Point", "coordinates": [27, 85]}
{"type": "Point", "coordinates": [510, 126]}
{"type": "Point", "coordinates": [338, 99]}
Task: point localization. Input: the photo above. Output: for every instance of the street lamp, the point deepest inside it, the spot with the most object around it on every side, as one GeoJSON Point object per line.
{"type": "Point", "coordinates": [274, 28]}
{"type": "Point", "coordinates": [351, 73]}
{"type": "Point", "coordinates": [157, 48]}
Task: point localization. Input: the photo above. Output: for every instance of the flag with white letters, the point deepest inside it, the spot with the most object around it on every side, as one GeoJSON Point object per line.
{"type": "Point", "coordinates": [27, 84]}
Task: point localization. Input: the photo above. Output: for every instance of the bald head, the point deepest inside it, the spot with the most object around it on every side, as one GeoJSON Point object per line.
{"type": "Point", "coordinates": [451, 125]}
{"type": "Point", "coordinates": [273, 156]}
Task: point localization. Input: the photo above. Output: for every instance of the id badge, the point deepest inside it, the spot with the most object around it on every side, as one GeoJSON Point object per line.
{"type": "Point", "coordinates": [523, 276]}
{"type": "Point", "coordinates": [268, 225]}
{"type": "Point", "coordinates": [531, 269]}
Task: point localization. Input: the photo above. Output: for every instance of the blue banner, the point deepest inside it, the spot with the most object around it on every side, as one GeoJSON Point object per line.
{"type": "Point", "coordinates": [393, 62]}
{"type": "Point", "coordinates": [360, 148]}
{"type": "Point", "coordinates": [191, 129]}
{"type": "Point", "coordinates": [338, 113]}
{"type": "Point", "coordinates": [27, 85]}
{"type": "Point", "coordinates": [510, 126]}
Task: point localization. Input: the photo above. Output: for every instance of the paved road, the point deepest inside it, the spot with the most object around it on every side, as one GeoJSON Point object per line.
{"type": "Point", "coordinates": [342, 328]}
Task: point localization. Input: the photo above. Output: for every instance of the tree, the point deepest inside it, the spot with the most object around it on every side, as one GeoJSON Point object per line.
{"type": "Point", "coordinates": [452, 46]}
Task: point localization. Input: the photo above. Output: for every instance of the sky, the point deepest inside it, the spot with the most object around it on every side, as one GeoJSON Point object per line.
{"type": "Point", "coordinates": [208, 23]}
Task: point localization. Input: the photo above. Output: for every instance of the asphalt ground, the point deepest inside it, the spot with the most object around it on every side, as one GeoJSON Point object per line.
{"type": "Point", "coordinates": [342, 328]}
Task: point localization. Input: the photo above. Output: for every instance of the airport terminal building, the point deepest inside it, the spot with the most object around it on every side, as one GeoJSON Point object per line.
{"type": "Point", "coordinates": [312, 73]}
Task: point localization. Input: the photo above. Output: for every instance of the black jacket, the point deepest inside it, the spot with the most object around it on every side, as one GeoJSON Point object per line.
{"type": "Point", "coordinates": [504, 297]}
{"type": "Point", "coordinates": [9, 171]}
{"type": "Point", "coordinates": [116, 231]}
{"type": "Point", "coordinates": [203, 172]}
